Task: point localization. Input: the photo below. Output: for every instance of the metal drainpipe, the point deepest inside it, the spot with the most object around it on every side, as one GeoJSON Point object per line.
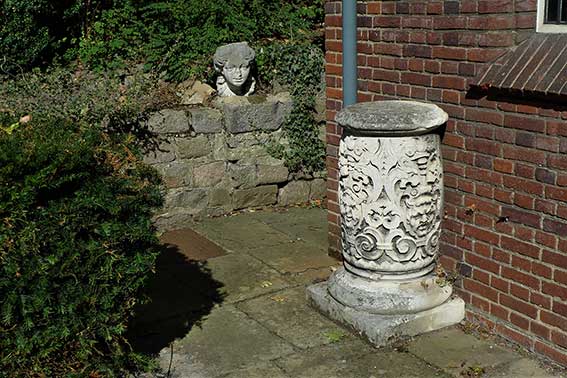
{"type": "Point", "coordinates": [349, 52]}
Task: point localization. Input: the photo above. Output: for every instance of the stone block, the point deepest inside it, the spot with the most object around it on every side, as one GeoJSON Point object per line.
{"type": "Point", "coordinates": [193, 147]}
{"type": "Point", "coordinates": [186, 198]}
{"type": "Point", "coordinates": [220, 197]}
{"type": "Point", "coordinates": [194, 93]}
{"type": "Point", "coordinates": [245, 114]}
{"type": "Point", "coordinates": [294, 192]}
{"type": "Point", "coordinates": [246, 154]}
{"type": "Point", "coordinates": [260, 196]}
{"type": "Point", "coordinates": [168, 121]}
{"type": "Point", "coordinates": [219, 146]}
{"type": "Point", "coordinates": [176, 173]}
{"type": "Point", "coordinates": [208, 175]}
{"type": "Point", "coordinates": [206, 120]}
{"type": "Point", "coordinates": [383, 329]}
{"type": "Point", "coordinates": [163, 152]}
{"type": "Point", "coordinates": [272, 174]}
{"type": "Point", "coordinates": [318, 189]}
{"type": "Point", "coordinates": [243, 176]}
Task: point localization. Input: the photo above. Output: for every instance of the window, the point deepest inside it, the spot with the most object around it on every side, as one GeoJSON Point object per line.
{"type": "Point", "coordinates": [552, 16]}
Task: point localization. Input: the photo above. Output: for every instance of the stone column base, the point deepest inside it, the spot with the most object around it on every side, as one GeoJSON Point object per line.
{"type": "Point", "coordinates": [383, 329]}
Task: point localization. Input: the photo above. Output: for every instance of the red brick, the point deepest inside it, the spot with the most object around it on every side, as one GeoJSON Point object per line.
{"type": "Point", "coordinates": [451, 53]}
{"type": "Point", "coordinates": [484, 55]}
{"type": "Point", "coordinates": [526, 5]}
{"type": "Point", "coordinates": [539, 329]}
{"type": "Point", "coordinates": [540, 300]}
{"type": "Point", "coordinates": [560, 308]}
{"type": "Point", "coordinates": [501, 195]}
{"type": "Point", "coordinates": [557, 161]}
{"type": "Point", "coordinates": [523, 185]}
{"type": "Point", "coordinates": [554, 290]}
{"type": "Point", "coordinates": [554, 258]}
{"type": "Point", "coordinates": [415, 78]}
{"type": "Point", "coordinates": [387, 49]}
{"type": "Point", "coordinates": [483, 116]}
{"type": "Point", "coordinates": [525, 21]}
{"type": "Point", "coordinates": [520, 321]}
{"type": "Point", "coordinates": [541, 270]}
{"type": "Point", "coordinates": [519, 277]}
{"type": "Point", "coordinates": [496, 40]}
{"type": "Point", "coordinates": [480, 289]}
{"type": "Point", "coordinates": [495, 6]}
{"type": "Point", "coordinates": [554, 320]}
{"type": "Point", "coordinates": [374, 7]}
{"type": "Point", "coordinates": [492, 22]}
{"type": "Point", "coordinates": [558, 228]}
{"type": "Point", "coordinates": [482, 263]}
{"type": "Point", "coordinates": [554, 353]}
{"type": "Point", "coordinates": [519, 246]}
{"type": "Point", "coordinates": [499, 311]}
{"type": "Point", "coordinates": [521, 263]}
{"type": "Point", "coordinates": [524, 123]}
{"type": "Point", "coordinates": [386, 75]}
{"type": "Point", "coordinates": [505, 166]}
{"type": "Point", "coordinates": [518, 305]}
{"type": "Point", "coordinates": [386, 22]}
{"type": "Point", "coordinates": [449, 82]}
{"type": "Point", "coordinates": [523, 154]}
{"type": "Point", "coordinates": [525, 201]}
{"type": "Point", "coordinates": [480, 303]}
{"type": "Point", "coordinates": [484, 146]}
{"type": "Point", "coordinates": [449, 22]}
{"type": "Point", "coordinates": [434, 7]}
{"type": "Point", "coordinates": [520, 292]}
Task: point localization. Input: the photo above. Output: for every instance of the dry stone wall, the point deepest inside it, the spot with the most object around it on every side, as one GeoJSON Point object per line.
{"type": "Point", "coordinates": [214, 159]}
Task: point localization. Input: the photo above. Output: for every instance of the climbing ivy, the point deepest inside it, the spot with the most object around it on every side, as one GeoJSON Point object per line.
{"type": "Point", "coordinates": [300, 68]}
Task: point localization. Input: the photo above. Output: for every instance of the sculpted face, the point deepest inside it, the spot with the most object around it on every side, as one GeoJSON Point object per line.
{"type": "Point", "coordinates": [421, 214]}
{"type": "Point", "coordinates": [236, 75]}
{"type": "Point", "coordinates": [234, 62]}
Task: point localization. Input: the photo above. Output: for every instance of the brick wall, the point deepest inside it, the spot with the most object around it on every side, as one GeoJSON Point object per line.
{"type": "Point", "coordinates": [505, 157]}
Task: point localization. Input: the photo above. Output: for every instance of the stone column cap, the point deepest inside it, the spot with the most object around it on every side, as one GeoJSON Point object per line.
{"type": "Point", "coordinates": [391, 118]}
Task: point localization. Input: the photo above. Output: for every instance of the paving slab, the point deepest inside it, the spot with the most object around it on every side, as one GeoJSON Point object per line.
{"type": "Point", "coordinates": [259, 370]}
{"type": "Point", "coordinates": [455, 351]}
{"type": "Point", "coordinates": [522, 368]}
{"type": "Point", "coordinates": [191, 244]}
{"type": "Point", "coordinates": [294, 257]}
{"type": "Point", "coordinates": [304, 224]}
{"type": "Point", "coordinates": [226, 342]}
{"type": "Point", "coordinates": [244, 277]}
{"type": "Point", "coordinates": [287, 314]}
{"type": "Point", "coordinates": [237, 233]}
{"type": "Point", "coordinates": [355, 359]}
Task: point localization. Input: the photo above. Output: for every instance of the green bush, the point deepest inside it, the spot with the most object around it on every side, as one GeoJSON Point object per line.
{"type": "Point", "coordinates": [180, 36]}
{"type": "Point", "coordinates": [33, 31]}
{"type": "Point", "coordinates": [76, 245]}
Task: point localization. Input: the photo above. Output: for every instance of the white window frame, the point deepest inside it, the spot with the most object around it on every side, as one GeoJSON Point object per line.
{"type": "Point", "coordinates": [547, 28]}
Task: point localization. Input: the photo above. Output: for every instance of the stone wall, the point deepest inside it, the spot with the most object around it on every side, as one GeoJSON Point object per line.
{"type": "Point", "coordinates": [214, 159]}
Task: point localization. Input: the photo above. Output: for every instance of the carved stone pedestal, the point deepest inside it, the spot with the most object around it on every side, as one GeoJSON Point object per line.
{"type": "Point", "coordinates": [391, 201]}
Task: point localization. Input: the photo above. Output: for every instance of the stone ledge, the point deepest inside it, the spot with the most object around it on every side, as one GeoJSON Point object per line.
{"type": "Point", "coordinates": [382, 329]}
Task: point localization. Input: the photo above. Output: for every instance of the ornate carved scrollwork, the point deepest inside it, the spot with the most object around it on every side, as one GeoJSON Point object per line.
{"type": "Point", "coordinates": [391, 198]}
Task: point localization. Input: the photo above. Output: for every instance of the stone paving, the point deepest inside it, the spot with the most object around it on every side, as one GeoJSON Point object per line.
{"type": "Point", "coordinates": [231, 303]}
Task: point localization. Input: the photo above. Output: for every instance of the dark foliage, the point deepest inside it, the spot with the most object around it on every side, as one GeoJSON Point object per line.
{"type": "Point", "coordinates": [76, 245]}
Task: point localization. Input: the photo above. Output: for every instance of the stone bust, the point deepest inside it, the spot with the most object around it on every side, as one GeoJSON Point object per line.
{"type": "Point", "coordinates": [233, 62]}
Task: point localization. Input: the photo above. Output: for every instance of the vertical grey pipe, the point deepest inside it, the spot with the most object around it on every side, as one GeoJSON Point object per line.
{"type": "Point", "coordinates": [349, 52]}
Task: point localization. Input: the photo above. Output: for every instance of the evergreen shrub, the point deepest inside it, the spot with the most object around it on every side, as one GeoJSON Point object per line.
{"type": "Point", "coordinates": [76, 245]}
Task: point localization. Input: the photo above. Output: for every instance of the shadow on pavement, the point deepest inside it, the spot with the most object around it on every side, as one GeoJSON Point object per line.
{"type": "Point", "coordinates": [182, 293]}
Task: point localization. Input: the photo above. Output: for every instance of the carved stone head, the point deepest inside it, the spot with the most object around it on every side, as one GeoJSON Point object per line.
{"type": "Point", "coordinates": [234, 62]}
